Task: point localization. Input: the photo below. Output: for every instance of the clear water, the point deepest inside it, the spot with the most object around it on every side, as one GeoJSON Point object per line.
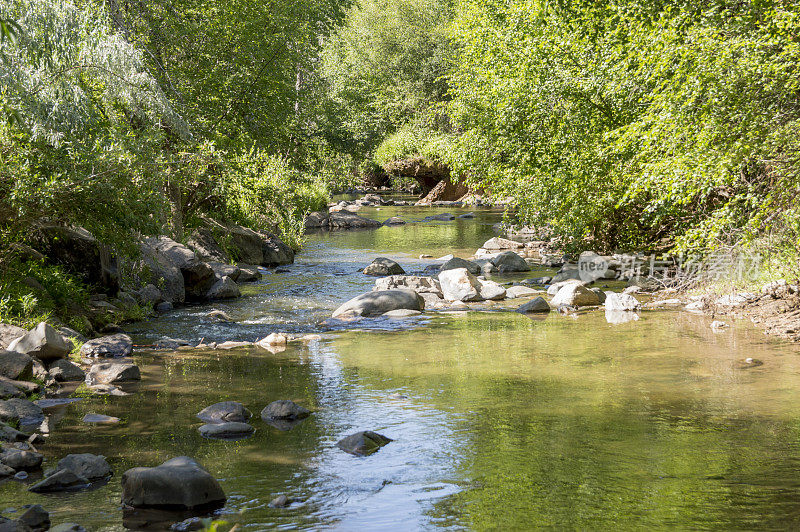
{"type": "Point", "coordinates": [500, 421]}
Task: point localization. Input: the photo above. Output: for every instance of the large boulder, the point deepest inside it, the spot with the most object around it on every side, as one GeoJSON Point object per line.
{"type": "Point", "coordinates": [456, 263]}
{"type": "Point", "coordinates": [224, 288]}
{"type": "Point", "coordinates": [21, 411]}
{"type": "Point", "coordinates": [348, 220]}
{"type": "Point", "coordinates": [162, 274]}
{"type": "Point", "coordinates": [112, 372]}
{"type": "Point", "coordinates": [36, 518]}
{"type": "Point", "coordinates": [65, 371]}
{"type": "Point", "coordinates": [383, 266]}
{"type": "Point", "coordinates": [9, 333]}
{"type": "Point", "coordinates": [60, 480]}
{"type": "Point", "coordinates": [21, 459]}
{"type": "Point", "coordinates": [43, 342]}
{"type": "Point", "coordinates": [508, 261]}
{"type": "Point", "coordinates": [276, 252]}
{"type": "Point", "coordinates": [197, 276]}
{"type": "Point", "coordinates": [90, 466]}
{"type": "Point", "coordinates": [380, 301]}
{"type": "Point", "coordinates": [363, 443]}
{"type": "Point", "coordinates": [78, 252]}
{"type": "Point", "coordinates": [10, 434]}
{"type": "Point", "coordinates": [15, 365]}
{"type": "Point", "coordinates": [445, 190]}
{"type": "Point", "coordinates": [316, 220]}
{"type": "Point", "coordinates": [490, 290]}
{"type": "Point", "coordinates": [225, 412]}
{"type": "Point", "coordinates": [460, 285]}
{"type": "Point", "coordinates": [576, 295]}
{"type": "Point", "coordinates": [179, 483]}
{"type": "Point", "coordinates": [421, 285]}
{"type": "Point", "coordinates": [115, 345]}
{"type": "Point", "coordinates": [205, 245]}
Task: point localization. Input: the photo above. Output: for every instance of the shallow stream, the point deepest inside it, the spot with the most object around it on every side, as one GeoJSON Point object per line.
{"type": "Point", "coordinates": [500, 421]}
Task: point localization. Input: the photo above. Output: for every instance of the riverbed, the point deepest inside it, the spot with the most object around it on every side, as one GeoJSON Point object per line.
{"type": "Point", "coordinates": [499, 420]}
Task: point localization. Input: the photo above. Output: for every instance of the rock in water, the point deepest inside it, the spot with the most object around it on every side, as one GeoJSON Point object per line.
{"type": "Point", "coordinates": [383, 266]}
{"type": "Point", "coordinates": [115, 345]}
{"type": "Point", "coordinates": [36, 518]}
{"type": "Point", "coordinates": [20, 411]}
{"type": "Point", "coordinates": [379, 302]}
{"type": "Point", "coordinates": [508, 261]}
{"type": "Point", "coordinates": [574, 294]}
{"type": "Point", "coordinates": [459, 285]}
{"type": "Point", "coordinates": [65, 371]}
{"type": "Point", "coordinates": [179, 483]}
{"type": "Point", "coordinates": [224, 288]}
{"type": "Point", "coordinates": [91, 466]}
{"type": "Point", "coordinates": [456, 263]}
{"type": "Point", "coordinates": [421, 285]}
{"type": "Point", "coordinates": [68, 527]}
{"type": "Point", "coordinates": [43, 342]}
{"type": "Point", "coordinates": [281, 501]}
{"type": "Point", "coordinates": [226, 431]}
{"type": "Point", "coordinates": [363, 443]}
{"type": "Point", "coordinates": [21, 460]}
{"type": "Point", "coordinates": [111, 372]}
{"type": "Point", "coordinates": [539, 304]}
{"type": "Point", "coordinates": [61, 480]}
{"type": "Point", "coordinates": [284, 409]}
{"type": "Point", "coordinates": [490, 290]}
{"type": "Point", "coordinates": [623, 302]}
{"type": "Point", "coordinates": [225, 412]}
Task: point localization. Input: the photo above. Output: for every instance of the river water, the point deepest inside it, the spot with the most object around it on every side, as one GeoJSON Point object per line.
{"type": "Point", "coordinates": [500, 421]}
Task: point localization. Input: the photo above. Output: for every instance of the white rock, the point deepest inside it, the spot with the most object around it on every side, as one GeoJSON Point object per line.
{"type": "Point", "coordinates": [459, 285]}
{"type": "Point", "coordinates": [490, 290]}
{"type": "Point", "coordinates": [574, 295]}
{"type": "Point", "coordinates": [625, 302]}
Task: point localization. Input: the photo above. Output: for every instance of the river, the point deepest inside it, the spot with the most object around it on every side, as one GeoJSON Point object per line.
{"type": "Point", "coordinates": [499, 421]}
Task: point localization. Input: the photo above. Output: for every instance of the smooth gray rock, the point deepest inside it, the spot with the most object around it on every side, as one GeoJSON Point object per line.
{"type": "Point", "coordinates": [115, 345]}
{"type": "Point", "coordinates": [228, 430]}
{"type": "Point", "coordinates": [574, 294]}
{"type": "Point", "coordinates": [10, 434]}
{"type": "Point", "coordinates": [490, 290]}
{"type": "Point", "coordinates": [20, 411]}
{"type": "Point", "coordinates": [394, 220]}
{"type": "Point", "coordinates": [179, 483]}
{"type": "Point", "coordinates": [91, 466]}
{"type": "Point", "coordinates": [456, 263]}
{"type": "Point", "coordinates": [36, 518]}
{"type": "Point", "coordinates": [43, 342]}
{"type": "Point", "coordinates": [497, 244]}
{"type": "Point", "coordinates": [459, 285]}
{"type": "Point", "coordinates": [222, 270]}
{"type": "Point", "coordinates": [508, 261]}
{"type": "Point", "coordinates": [248, 273]}
{"type": "Point", "coordinates": [9, 333]}
{"type": "Point", "coordinates": [8, 525]}
{"type": "Point", "coordinates": [224, 288]}
{"type": "Point", "coordinates": [61, 480]}
{"type": "Point", "coordinates": [380, 301]}
{"type": "Point", "coordinates": [9, 391]}
{"type": "Point", "coordinates": [363, 443]}
{"type": "Point", "coordinates": [348, 220]}
{"type": "Point", "coordinates": [539, 304]}
{"type": "Point", "coordinates": [112, 372]}
{"type": "Point", "coordinates": [15, 365]}
{"type": "Point", "coordinates": [65, 371]}
{"type": "Point", "coordinates": [21, 460]}
{"type": "Point", "coordinates": [285, 410]}
{"type": "Point", "coordinates": [225, 412]}
{"type": "Point", "coordinates": [148, 295]}
{"type": "Point", "coordinates": [383, 266]}
{"type": "Point", "coordinates": [100, 419]}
